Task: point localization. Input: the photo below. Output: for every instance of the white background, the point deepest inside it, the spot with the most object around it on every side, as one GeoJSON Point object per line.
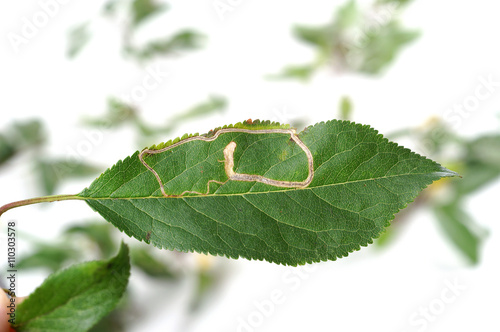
{"type": "Point", "coordinates": [377, 290]}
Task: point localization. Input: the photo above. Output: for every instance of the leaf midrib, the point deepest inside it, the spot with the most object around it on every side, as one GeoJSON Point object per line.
{"type": "Point", "coordinates": [254, 192]}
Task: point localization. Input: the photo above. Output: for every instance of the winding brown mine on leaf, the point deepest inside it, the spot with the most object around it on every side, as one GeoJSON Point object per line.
{"type": "Point", "coordinates": [229, 160]}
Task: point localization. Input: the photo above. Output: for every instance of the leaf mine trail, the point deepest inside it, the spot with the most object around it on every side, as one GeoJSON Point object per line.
{"type": "Point", "coordinates": [229, 160]}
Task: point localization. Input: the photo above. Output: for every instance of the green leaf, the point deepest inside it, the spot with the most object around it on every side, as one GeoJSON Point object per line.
{"type": "Point", "coordinates": [347, 15]}
{"type": "Point", "coordinates": [360, 181]}
{"type": "Point", "coordinates": [76, 298]}
{"type": "Point", "coordinates": [52, 172]}
{"type": "Point", "coordinates": [480, 164]}
{"type": "Point", "coordinates": [118, 113]}
{"type": "Point", "coordinates": [21, 136]}
{"type": "Point", "coordinates": [97, 232]}
{"type": "Point", "coordinates": [460, 229]}
{"type": "Point", "coordinates": [484, 150]}
{"type": "Point", "coordinates": [182, 41]}
{"type": "Point", "coordinates": [29, 133]}
{"type": "Point", "coordinates": [476, 176]}
{"type": "Point", "coordinates": [143, 259]}
{"type": "Point", "coordinates": [345, 108]}
{"type": "Point", "coordinates": [398, 3]}
{"type": "Point", "coordinates": [213, 105]}
{"type": "Point", "coordinates": [386, 237]}
{"type": "Point", "coordinates": [7, 149]}
{"type": "Point", "coordinates": [301, 72]}
{"type": "Point", "coordinates": [78, 37]}
{"type": "Point", "coordinates": [143, 9]}
{"type": "Point", "coordinates": [116, 321]}
{"type": "Point", "coordinates": [380, 47]}
{"type": "Point", "coordinates": [354, 40]}
{"type": "Point", "coordinates": [327, 36]}
{"type": "Point", "coordinates": [48, 256]}
{"type": "Point", "coordinates": [317, 36]}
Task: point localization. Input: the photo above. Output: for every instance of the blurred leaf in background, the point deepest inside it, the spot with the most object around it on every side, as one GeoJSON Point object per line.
{"type": "Point", "coordinates": [97, 232]}
{"type": "Point", "coordinates": [31, 136]}
{"type": "Point", "coordinates": [21, 136]}
{"type": "Point", "coordinates": [394, 2]}
{"type": "Point", "coordinates": [70, 247]}
{"type": "Point", "coordinates": [187, 40]}
{"type": "Point", "coordinates": [209, 277]}
{"type": "Point", "coordinates": [460, 229]}
{"type": "Point", "coordinates": [143, 9]}
{"type": "Point", "coordinates": [345, 108]}
{"type": "Point", "coordinates": [7, 149]}
{"type": "Point", "coordinates": [478, 162]}
{"type": "Point", "coordinates": [144, 259]}
{"type": "Point", "coordinates": [117, 114]}
{"type": "Point", "coordinates": [136, 13]}
{"type": "Point", "coordinates": [379, 48]}
{"type": "Point", "coordinates": [120, 113]}
{"type": "Point", "coordinates": [119, 319]}
{"type": "Point", "coordinates": [78, 37]}
{"type": "Point", "coordinates": [213, 105]}
{"type": "Point", "coordinates": [481, 163]}
{"type": "Point", "coordinates": [50, 256]}
{"type": "Point", "coordinates": [356, 40]}
{"type": "Point", "coordinates": [53, 172]}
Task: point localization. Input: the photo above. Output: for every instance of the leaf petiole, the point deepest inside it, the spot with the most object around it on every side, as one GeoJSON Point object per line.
{"type": "Point", "coordinates": [43, 199]}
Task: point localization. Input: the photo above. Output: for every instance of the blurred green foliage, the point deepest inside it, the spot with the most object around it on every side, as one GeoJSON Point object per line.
{"type": "Point", "coordinates": [137, 13]}
{"type": "Point", "coordinates": [478, 162]}
{"type": "Point", "coordinates": [355, 40]}
{"type": "Point", "coordinates": [52, 172]}
{"type": "Point", "coordinates": [187, 40]}
{"type": "Point", "coordinates": [30, 137]}
{"type": "Point", "coordinates": [120, 113]}
{"type": "Point", "coordinates": [78, 37]}
{"type": "Point", "coordinates": [207, 281]}
{"type": "Point", "coordinates": [97, 232]}
{"type": "Point", "coordinates": [98, 239]}
{"type": "Point", "coordinates": [144, 259]}
{"type": "Point", "coordinates": [345, 108]}
{"type": "Point", "coordinates": [21, 136]}
{"type": "Point", "coordinates": [143, 9]}
{"type": "Point", "coordinates": [460, 229]}
{"type": "Point", "coordinates": [51, 257]}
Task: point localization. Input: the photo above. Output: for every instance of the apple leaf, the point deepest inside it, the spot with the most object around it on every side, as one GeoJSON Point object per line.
{"type": "Point", "coordinates": [360, 180]}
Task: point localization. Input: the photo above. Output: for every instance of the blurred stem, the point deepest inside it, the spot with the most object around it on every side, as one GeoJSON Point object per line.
{"type": "Point", "coordinates": [44, 199]}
